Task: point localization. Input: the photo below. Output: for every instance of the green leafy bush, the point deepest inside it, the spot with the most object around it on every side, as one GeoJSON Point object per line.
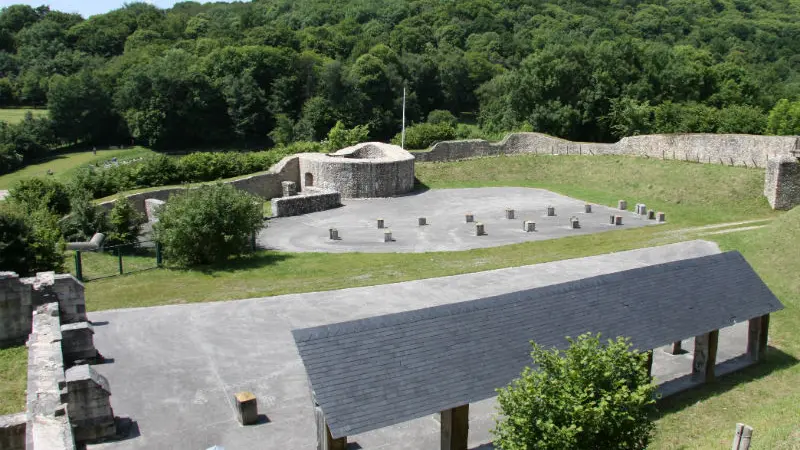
{"type": "Point", "coordinates": [590, 396]}
{"type": "Point", "coordinates": [340, 137]}
{"type": "Point", "coordinates": [784, 119]}
{"type": "Point", "coordinates": [423, 135]}
{"type": "Point", "coordinates": [85, 218]}
{"type": "Point", "coordinates": [442, 117]}
{"type": "Point", "coordinates": [36, 193]}
{"type": "Point", "coordinates": [208, 224]}
{"type": "Point", "coordinates": [30, 241]}
{"type": "Point", "coordinates": [124, 223]}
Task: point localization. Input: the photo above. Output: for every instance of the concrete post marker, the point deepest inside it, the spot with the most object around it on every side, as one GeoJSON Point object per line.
{"type": "Point", "coordinates": [651, 214]}
{"type": "Point", "coordinates": [333, 234]}
{"type": "Point", "coordinates": [380, 223]}
{"type": "Point", "coordinates": [246, 408]}
{"type": "Point", "coordinates": [587, 208]}
{"type": "Point", "coordinates": [480, 230]}
{"type": "Point", "coordinates": [509, 213]}
{"type": "Point", "coordinates": [387, 236]}
{"type": "Point", "coordinates": [617, 220]}
{"type": "Point", "coordinates": [661, 217]}
{"type": "Point", "coordinates": [422, 221]}
{"type": "Point", "coordinates": [529, 226]}
{"type": "Point", "coordinates": [574, 223]}
{"type": "Point", "coordinates": [470, 217]}
{"type": "Point", "coordinates": [622, 204]}
{"type": "Point", "coordinates": [551, 211]}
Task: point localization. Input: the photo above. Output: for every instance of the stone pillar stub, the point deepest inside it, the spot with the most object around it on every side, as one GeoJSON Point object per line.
{"type": "Point", "coordinates": [288, 188]}
{"type": "Point", "coordinates": [587, 208]}
{"type": "Point", "coordinates": [509, 214]}
{"type": "Point", "coordinates": [455, 428]}
{"type": "Point", "coordinates": [469, 217]}
{"type": "Point", "coordinates": [551, 211]}
{"type": "Point", "coordinates": [661, 217]}
{"type": "Point", "coordinates": [782, 182]}
{"type": "Point", "coordinates": [622, 204]}
{"type": "Point", "coordinates": [480, 230]}
{"type": "Point", "coordinates": [529, 226]}
{"type": "Point", "coordinates": [422, 221]}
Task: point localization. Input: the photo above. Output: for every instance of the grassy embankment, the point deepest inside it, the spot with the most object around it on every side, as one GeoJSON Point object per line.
{"type": "Point", "coordinates": [15, 115]}
{"type": "Point", "coordinates": [63, 165]}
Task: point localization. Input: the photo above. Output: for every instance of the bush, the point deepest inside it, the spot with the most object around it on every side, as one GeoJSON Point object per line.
{"type": "Point", "coordinates": [784, 119]}
{"type": "Point", "coordinates": [442, 117]}
{"type": "Point", "coordinates": [85, 219]}
{"type": "Point", "coordinates": [423, 135]}
{"type": "Point", "coordinates": [340, 137]}
{"type": "Point", "coordinates": [124, 223]}
{"type": "Point", "coordinates": [208, 224]}
{"type": "Point", "coordinates": [30, 242]}
{"type": "Point", "coordinates": [36, 193]}
{"type": "Point", "coordinates": [591, 396]}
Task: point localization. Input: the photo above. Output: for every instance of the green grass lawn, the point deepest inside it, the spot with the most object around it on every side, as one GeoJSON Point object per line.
{"type": "Point", "coordinates": [64, 165]}
{"type": "Point", "coordinates": [13, 372]}
{"type": "Point", "coordinates": [14, 115]}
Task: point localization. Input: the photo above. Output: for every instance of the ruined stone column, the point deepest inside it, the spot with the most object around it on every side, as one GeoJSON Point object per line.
{"type": "Point", "coordinates": [529, 226]}
{"type": "Point", "coordinates": [334, 234]}
{"type": "Point", "coordinates": [509, 213]}
{"type": "Point", "coordinates": [480, 230]}
{"type": "Point", "coordinates": [288, 188]}
{"type": "Point", "coordinates": [551, 211]}
{"type": "Point", "coordinates": [617, 220]}
{"type": "Point", "coordinates": [387, 236]}
{"type": "Point", "coordinates": [622, 204]}
{"type": "Point", "coordinates": [380, 223]}
{"type": "Point", "coordinates": [651, 215]}
{"type": "Point", "coordinates": [422, 221]}
{"type": "Point", "coordinates": [661, 217]}
{"type": "Point", "coordinates": [574, 223]}
{"type": "Point", "coordinates": [587, 208]}
{"type": "Point", "coordinates": [470, 217]}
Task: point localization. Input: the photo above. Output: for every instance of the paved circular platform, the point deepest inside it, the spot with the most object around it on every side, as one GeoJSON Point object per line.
{"type": "Point", "coordinates": [447, 229]}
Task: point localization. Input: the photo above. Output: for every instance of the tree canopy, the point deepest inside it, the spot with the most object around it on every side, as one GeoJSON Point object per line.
{"type": "Point", "coordinates": [285, 70]}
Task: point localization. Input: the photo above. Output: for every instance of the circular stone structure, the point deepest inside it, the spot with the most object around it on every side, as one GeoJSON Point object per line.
{"type": "Point", "coordinates": [445, 229]}
{"type": "Point", "coordinates": [371, 169]}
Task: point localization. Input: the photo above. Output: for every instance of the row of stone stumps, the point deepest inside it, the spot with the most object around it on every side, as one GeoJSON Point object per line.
{"type": "Point", "coordinates": [641, 209]}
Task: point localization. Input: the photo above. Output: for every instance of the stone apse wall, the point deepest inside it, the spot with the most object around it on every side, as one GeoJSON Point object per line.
{"type": "Point", "coordinates": [728, 149]}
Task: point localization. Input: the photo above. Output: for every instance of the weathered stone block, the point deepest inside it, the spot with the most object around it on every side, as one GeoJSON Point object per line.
{"type": "Point", "coordinates": [529, 226]}
{"type": "Point", "coordinates": [587, 208]}
{"type": "Point", "coordinates": [152, 206]}
{"type": "Point", "coordinates": [480, 230]}
{"type": "Point", "coordinates": [334, 234]}
{"type": "Point", "coordinates": [617, 220]}
{"type": "Point", "coordinates": [288, 188]}
{"type": "Point", "coordinates": [661, 217]}
{"type": "Point", "coordinates": [387, 236]}
{"type": "Point", "coordinates": [380, 223]}
{"type": "Point", "coordinates": [651, 214]}
{"type": "Point", "coordinates": [304, 204]}
{"type": "Point", "coordinates": [422, 221]}
{"type": "Point", "coordinates": [246, 408]}
{"type": "Point", "coordinates": [551, 211]}
{"type": "Point", "coordinates": [469, 218]}
{"type": "Point", "coordinates": [574, 222]}
{"type": "Point", "coordinates": [509, 213]}
{"type": "Point", "coordinates": [622, 204]}
{"type": "Point", "coordinates": [782, 182]}
{"type": "Point", "coordinates": [89, 403]}
{"type": "Point", "coordinates": [12, 431]}
{"type": "Point", "coordinates": [77, 343]}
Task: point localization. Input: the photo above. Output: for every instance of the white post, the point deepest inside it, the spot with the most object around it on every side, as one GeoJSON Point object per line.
{"type": "Point", "coordinates": [403, 132]}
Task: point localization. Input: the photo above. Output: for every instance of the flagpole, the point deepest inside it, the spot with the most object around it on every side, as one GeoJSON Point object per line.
{"type": "Point", "coordinates": [403, 132]}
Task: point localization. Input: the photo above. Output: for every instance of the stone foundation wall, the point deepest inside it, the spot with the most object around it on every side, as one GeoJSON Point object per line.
{"type": "Point", "coordinates": [305, 203]}
{"type": "Point", "coordinates": [728, 149]}
{"type": "Point", "coordinates": [19, 297]}
{"type": "Point", "coordinates": [782, 182]}
{"type": "Point", "coordinates": [48, 426]}
{"type": "Point", "coordinates": [12, 431]}
{"type": "Point", "coordinates": [265, 185]}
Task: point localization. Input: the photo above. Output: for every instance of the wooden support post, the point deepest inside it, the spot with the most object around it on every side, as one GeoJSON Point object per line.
{"type": "Point", "coordinates": [676, 348]}
{"type": "Point", "coordinates": [757, 334]}
{"type": "Point", "coordinates": [705, 356]}
{"type": "Point", "coordinates": [649, 363]}
{"type": "Point", "coordinates": [325, 440]}
{"type": "Point", "coordinates": [455, 428]}
{"type": "Point", "coordinates": [742, 437]}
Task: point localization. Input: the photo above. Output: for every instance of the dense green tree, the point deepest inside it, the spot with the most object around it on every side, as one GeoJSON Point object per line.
{"type": "Point", "coordinates": [123, 223]}
{"type": "Point", "coordinates": [784, 118]}
{"type": "Point", "coordinates": [81, 109]}
{"type": "Point", "coordinates": [592, 395]}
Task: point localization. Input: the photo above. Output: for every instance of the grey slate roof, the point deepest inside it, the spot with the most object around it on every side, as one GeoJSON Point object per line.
{"type": "Point", "coordinates": [371, 373]}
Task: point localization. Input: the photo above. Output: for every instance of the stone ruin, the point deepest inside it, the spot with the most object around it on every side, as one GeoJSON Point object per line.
{"type": "Point", "coordinates": [68, 402]}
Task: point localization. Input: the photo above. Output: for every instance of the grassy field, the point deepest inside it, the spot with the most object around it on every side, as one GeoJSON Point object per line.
{"type": "Point", "coordinates": [64, 165]}
{"type": "Point", "coordinates": [13, 370]}
{"type": "Point", "coordinates": [14, 115]}
{"type": "Point", "coordinates": [691, 194]}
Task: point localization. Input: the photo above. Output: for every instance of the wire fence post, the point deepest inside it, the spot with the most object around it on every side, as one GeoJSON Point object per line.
{"type": "Point", "coordinates": [159, 256]}
{"type": "Point", "coordinates": [119, 255]}
{"type": "Point", "coordinates": [78, 266]}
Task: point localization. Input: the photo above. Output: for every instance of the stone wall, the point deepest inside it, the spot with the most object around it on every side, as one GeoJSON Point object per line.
{"type": "Point", "coordinates": [728, 149]}
{"type": "Point", "coordinates": [265, 185]}
{"type": "Point", "coordinates": [12, 431]}
{"type": "Point", "coordinates": [19, 297]}
{"type": "Point", "coordinates": [365, 170]}
{"type": "Point", "coordinates": [307, 202]}
{"type": "Point", "coordinates": [782, 182]}
{"type": "Point", "coordinates": [48, 426]}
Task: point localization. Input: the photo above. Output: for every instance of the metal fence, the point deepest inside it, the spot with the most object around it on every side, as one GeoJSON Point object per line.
{"type": "Point", "coordinates": [116, 260]}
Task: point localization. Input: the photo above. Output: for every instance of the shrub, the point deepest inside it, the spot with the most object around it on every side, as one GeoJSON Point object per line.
{"type": "Point", "coordinates": [424, 135]}
{"type": "Point", "coordinates": [340, 137]}
{"type": "Point", "coordinates": [591, 396]}
{"type": "Point", "coordinates": [30, 242]}
{"type": "Point", "coordinates": [124, 223]}
{"type": "Point", "coordinates": [36, 193]}
{"type": "Point", "coordinates": [784, 119]}
{"type": "Point", "coordinates": [208, 224]}
{"type": "Point", "coordinates": [85, 219]}
{"type": "Point", "coordinates": [442, 117]}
